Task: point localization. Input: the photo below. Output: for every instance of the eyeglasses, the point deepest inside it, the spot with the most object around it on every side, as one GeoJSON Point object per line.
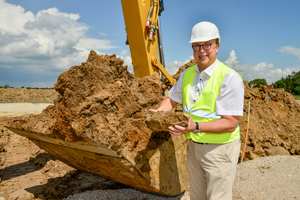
{"type": "Point", "coordinates": [205, 46]}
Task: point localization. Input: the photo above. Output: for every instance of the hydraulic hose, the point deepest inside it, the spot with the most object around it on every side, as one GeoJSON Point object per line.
{"type": "Point", "coordinates": [160, 44]}
{"type": "Point", "coordinates": [149, 15]}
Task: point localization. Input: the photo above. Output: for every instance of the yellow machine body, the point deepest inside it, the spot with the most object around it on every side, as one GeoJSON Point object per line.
{"type": "Point", "coordinates": [144, 52]}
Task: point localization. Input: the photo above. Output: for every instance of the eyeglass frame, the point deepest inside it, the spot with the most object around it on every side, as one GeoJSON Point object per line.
{"type": "Point", "coordinates": [203, 46]}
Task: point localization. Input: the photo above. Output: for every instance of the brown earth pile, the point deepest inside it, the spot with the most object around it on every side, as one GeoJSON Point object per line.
{"type": "Point", "coordinates": [274, 126]}
{"type": "Point", "coordinates": [100, 101]}
{"type": "Point", "coordinates": [29, 95]}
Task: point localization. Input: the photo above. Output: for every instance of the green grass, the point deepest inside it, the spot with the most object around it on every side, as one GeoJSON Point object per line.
{"type": "Point", "coordinates": [297, 97]}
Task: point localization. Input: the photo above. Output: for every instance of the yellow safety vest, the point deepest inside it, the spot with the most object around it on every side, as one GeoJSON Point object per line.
{"type": "Point", "coordinates": [204, 109]}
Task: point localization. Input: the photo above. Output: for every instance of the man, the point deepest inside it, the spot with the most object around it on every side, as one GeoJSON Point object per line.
{"type": "Point", "coordinates": [212, 95]}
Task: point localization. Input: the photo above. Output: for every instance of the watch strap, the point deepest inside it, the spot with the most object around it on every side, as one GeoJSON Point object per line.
{"type": "Point", "coordinates": [196, 131]}
{"type": "Point", "coordinates": [197, 126]}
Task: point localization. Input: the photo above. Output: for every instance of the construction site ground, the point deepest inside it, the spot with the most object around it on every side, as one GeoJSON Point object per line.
{"type": "Point", "coordinates": [271, 162]}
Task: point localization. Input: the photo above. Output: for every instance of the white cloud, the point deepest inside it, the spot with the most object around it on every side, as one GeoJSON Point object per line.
{"type": "Point", "coordinates": [48, 41]}
{"type": "Point", "coordinates": [261, 70]}
{"type": "Point", "coordinates": [13, 18]}
{"type": "Point", "coordinates": [55, 12]}
{"type": "Point", "coordinates": [291, 50]}
{"type": "Point", "coordinates": [233, 63]}
{"type": "Point", "coordinates": [102, 34]}
{"type": "Point", "coordinates": [127, 60]}
{"type": "Point", "coordinates": [173, 67]}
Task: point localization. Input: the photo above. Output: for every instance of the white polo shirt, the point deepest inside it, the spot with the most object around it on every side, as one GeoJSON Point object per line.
{"type": "Point", "coordinates": [231, 98]}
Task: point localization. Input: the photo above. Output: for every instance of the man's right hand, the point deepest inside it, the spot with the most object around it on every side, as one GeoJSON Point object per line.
{"type": "Point", "coordinates": [180, 130]}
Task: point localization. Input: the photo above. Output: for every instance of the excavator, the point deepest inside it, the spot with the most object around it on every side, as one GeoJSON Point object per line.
{"type": "Point", "coordinates": [167, 173]}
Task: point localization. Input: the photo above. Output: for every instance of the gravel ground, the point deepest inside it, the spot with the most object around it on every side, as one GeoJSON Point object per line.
{"type": "Point", "coordinates": [275, 177]}
{"type": "Point", "coordinates": [120, 194]}
{"type": "Point", "coordinates": [21, 108]}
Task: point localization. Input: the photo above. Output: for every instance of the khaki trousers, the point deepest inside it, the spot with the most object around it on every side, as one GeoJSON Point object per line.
{"type": "Point", "coordinates": [212, 170]}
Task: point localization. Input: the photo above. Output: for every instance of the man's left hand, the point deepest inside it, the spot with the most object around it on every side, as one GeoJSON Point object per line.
{"type": "Point", "coordinates": [180, 130]}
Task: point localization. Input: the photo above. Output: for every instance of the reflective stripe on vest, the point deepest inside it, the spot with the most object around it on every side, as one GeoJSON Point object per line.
{"type": "Point", "coordinates": [200, 113]}
{"type": "Point", "coordinates": [203, 114]}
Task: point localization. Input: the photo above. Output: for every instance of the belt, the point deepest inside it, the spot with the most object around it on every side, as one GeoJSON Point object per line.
{"type": "Point", "coordinates": [200, 143]}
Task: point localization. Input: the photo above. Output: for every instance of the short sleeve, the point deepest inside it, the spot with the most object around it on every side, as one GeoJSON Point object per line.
{"type": "Point", "coordinates": [231, 98]}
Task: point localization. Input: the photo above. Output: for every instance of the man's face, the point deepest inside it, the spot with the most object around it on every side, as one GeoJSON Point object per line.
{"type": "Point", "coordinates": [207, 54]}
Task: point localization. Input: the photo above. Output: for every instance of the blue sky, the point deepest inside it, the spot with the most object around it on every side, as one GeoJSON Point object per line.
{"type": "Point", "coordinates": [39, 39]}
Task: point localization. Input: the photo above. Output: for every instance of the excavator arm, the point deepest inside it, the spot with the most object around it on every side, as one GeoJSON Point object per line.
{"type": "Point", "coordinates": [142, 26]}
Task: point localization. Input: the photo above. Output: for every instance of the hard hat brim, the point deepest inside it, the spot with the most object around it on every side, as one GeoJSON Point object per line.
{"type": "Point", "coordinates": [204, 40]}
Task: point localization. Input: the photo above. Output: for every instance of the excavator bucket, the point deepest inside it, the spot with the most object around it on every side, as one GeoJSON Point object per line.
{"type": "Point", "coordinates": [101, 124]}
{"type": "Point", "coordinates": [167, 171]}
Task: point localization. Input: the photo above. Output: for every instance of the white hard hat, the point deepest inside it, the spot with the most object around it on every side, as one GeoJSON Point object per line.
{"type": "Point", "coordinates": [204, 31]}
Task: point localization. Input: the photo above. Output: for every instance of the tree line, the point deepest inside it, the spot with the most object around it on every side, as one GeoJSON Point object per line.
{"type": "Point", "coordinates": [7, 86]}
{"type": "Point", "coordinates": [290, 83]}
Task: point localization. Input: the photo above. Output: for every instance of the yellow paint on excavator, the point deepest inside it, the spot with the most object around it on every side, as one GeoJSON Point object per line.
{"type": "Point", "coordinates": [144, 53]}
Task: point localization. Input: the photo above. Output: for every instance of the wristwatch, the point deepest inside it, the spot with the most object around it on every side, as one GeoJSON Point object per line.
{"type": "Point", "coordinates": [196, 131]}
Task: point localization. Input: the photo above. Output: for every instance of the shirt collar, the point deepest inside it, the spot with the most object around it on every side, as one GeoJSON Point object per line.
{"type": "Point", "coordinates": [210, 70]}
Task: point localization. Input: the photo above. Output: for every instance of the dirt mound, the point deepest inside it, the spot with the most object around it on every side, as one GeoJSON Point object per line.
{"type": "Point", "coordinates": [30, 95]}
{"type": "Point", "coordinates": [101, 101]}
{"type": "Point", "coordinates": [274, 123]}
